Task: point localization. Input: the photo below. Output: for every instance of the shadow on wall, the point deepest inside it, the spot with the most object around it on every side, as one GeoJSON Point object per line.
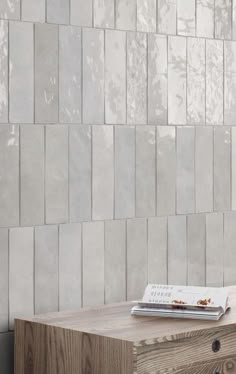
{"type": "Point", "coordinates": [7, 353]}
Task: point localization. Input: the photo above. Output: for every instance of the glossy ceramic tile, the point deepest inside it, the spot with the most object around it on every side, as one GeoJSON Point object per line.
{"type": "Point", "coordinates": [233, 169]}
{"type": "Point", "coordinates": [126, 14]}
{"type": "Point", "coordinates": [4, 71]}
{"type": "Point", "coordinates": [81, 12]}
{"type": "Point", "coordinates": [223, 19]}
{"type": "Point", "coordinates": [115, 77]}
{"type": "Point", "coordinates": [166, 13]}
{"type": "Point", "coordinates": [186, 17]}
{"type": "Point", "coordinates": [157, 250]}
{"type": "Point", "coordinates": [33, 10]}
{"type": "Point", "coordinates": [229, 82]}
{"type": "Point", "coordinates": [104, 13]}
{"type": "Point", "coordinates": [205, 18]}
{"type": "Point", "coordinates": [146, 15]}
{"type": "Point", "coordinates": [58, 11]}
{"type": "Point", "coordinates": [10, 9]}
{"type": "Point", "coordinates": [4, 281]}
{"type": "Point", "coordinates": [229, 248]}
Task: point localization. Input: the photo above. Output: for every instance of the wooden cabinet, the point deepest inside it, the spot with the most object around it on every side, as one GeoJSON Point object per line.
{"type": "Point", "coordinates": [107, 340]}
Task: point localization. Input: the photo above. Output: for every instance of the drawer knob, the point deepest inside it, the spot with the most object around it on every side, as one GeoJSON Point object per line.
{"type": "Point", "coordinates": [216, 346]}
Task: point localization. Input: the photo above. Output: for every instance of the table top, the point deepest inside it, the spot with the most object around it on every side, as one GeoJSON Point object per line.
{"type": "Point", "coordinates": [115, 321]}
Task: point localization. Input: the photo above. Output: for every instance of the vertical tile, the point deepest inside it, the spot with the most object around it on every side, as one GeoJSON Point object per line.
{"type": "Point", "coordinates": [115, 77]}
{"type": "Point", "coordinates": [214, 82]}
{"type": "Point", "coordinates": [124, 172]}
{"type": "Point", "coordinates": [56, 174]}
{"type": "Point", "coordinates": [233, 168]}
{"type": "Point", "coordinates": [223, 19]}
{"type": "Point", "coordinates": [46, 73]}
{"type": "Point", "coordinates": [32, 175]}
{"type": "Point", "coordinates": [222, 166]}
{"type": "Point", "coordinates": [157, 250]}
{"type": "Point", "coordinates": [177, 80]}
{"type": "Point", "coordinates": [10, 9]}
{"type": "Point", "coordinates": [204, 169]}
{"type": "Point", "coordinates": [81, 12]}
{"type": "Point", "coordinates": [136, 258]}
{"type": "Point", "coordinates": [229, 82]}
{"type": "Point", "coordinates": [7, 353]}
{"type": "Point", "coordinates": [58, 11]}
{"type": "Point", "coordinates": [80, 173]}
{"type": "Point", "coordinates": [196, 249]}
{"type": "Point", "coordinates": [157, 79]}
{"type": "Point", "coordinates": [21, 85]}
{"type": "Point", "coordinates": [3, 71]}
{"type": "Point", "coordinates": [70, 266]}
{"type": "Point", "coordinates": [233, 19]}
{"type": "Point", "coordinates": [166, 13]}
{"type": "Point", "coordinates": [229, 248]}
{"type": "Point", "coordinates": [186, 17]}
{"type": "Point", "coordinates": [46, 269]}
{"type": "Point", "coordinates": [126, 14]}
{"type": "Point", "coordinates": [93, 76]}
{"type": "Point", "coordinates": [21, 273]}
{"type": "Point", "coordinates": [205, 18]}
{"type": "Point", "coordinates": [104, 13]}
{"type": "Point", "coordinates": [103, 173]}
{"type": "Point", "coordinates": [196, 85]}
{"type": "Point", "coordinates": [214, 250]}
{"type": "Point", "coordinates": [146, 15]}
{"type": "Point", "coordinates": [136, 78]}
{"type": "Point", "coordinates": [177, 250]}
{"type": "Point", "coordinates": [93, 263]}
{"type": "Point", "coordinates": [4, 301]}
{"type": "Point", "coordinates": [70, 74]}
{"type": "Point", "coordinates": [115, 261]}
{"type": "Point", "coordinates": [185, 170]}
{"type": "Point", "coordinates": [9, 175]}
{"type": "Point", "coordinates": [166, 170]}
{"type": "Point", "coordinates": [33, 10]}
{"type": "Point", "coordinates": [145, 171]}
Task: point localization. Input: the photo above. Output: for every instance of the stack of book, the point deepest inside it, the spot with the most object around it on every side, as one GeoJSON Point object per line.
{"type": "Point", "coordinates": [183, 302]}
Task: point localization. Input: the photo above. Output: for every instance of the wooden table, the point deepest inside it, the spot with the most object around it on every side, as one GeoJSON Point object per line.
{"type": "Point", "coordinates": [107, 340]}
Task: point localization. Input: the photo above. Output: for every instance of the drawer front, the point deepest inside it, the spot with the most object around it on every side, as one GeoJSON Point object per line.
{"type": "Point", "coordinates": [195, 348]}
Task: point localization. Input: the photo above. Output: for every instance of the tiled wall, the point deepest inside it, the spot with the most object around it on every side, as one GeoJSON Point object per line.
{"type": "Point", "coordinates": [117, 151]}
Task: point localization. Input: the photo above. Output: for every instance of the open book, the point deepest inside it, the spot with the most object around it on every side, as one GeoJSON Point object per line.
{"type": "Point", "coordinates": [182, 302]}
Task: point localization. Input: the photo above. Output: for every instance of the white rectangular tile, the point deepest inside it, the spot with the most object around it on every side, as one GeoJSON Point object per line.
{"type": "Point", "coordinates": [223, 19]}
{"type": "Point", "coordinates": [21, 273]}
{"type": "Point", "coordinates": [3, 71]}
{"type": "Point", "coordinates": [32, 175]}
{"type": "Point", "coordinates": [33, 10]}
{"type": "Point", "coordinates": [233, 19]}
{"type": "Point", "coordinates": [124, 172]}
{"type": "Point", "coordinates": [115, 261]}
{"type": "Point", "coordinates": [80, 173]}
{"type": "Point", "coordinates": [166, 17]}
{"type": "Point", "coordinates": [166, 170]}
{"type": "Point", "coordinates": [146, 15]}
{"type": "Point", "coordinates": [9, 175]}
{"type": "Point", "coordinates": [196, 244]}
{"type": "Point", "coordinates": [70, 74]}
{"type": "Point", "coordinates": [145, 171]}
{"type": "Point", "coordinates": [229, 248]}
{"type": "Point", "coordinates": [157, 79]}
{"type": "Point", "coordinates": [186, 17]}
{"type": "Point", "coordinates": [177, 250]}
{"type": "Point", "coordinates": [196, 83]}
{"type": "Point", "coordinates": [214, 250]}
{"type": "Point", "coordinates": [70, 271]}
{"type": "Point", "coordinates": [185, 170]}
{"type": "Point", "coordinates": [177, 80]}
{"type": "Point", "coordinates": [46, 269]}
{"type": "Point", "coordinates": [81, 12]}
{"type": "Point", "coordinates": [157, 250]}
{"type": "Point", "coordinates": [10, 9]}
{"type": "Point", "coordinates": [126, 14]}
{"type": "Point", "coordinates": [229, 82]}
{"type": "Point", "coordinates": [137, 276]}
{"type": "Point", "coordinates": [205, 18]}
{"type": "Point", "coordinates": [56, 178]}
{"type": "Point", "coordinates": [214, 82]}
{"type": "Point", "coordinates": [233, 168]}
{"type": "Point", "coordinates": [4, 286]}
{"type": "Point", "coordinates": [222, 169]}
{"type": "Point", "coordinates": [93, 263]}
{"type": "Point", "coordinates": [115, 77]}
{"type": "Point", "coordinates": [204, 169]}
{"type": "Point", "coordinates": [46, 73]}
{"type": "Point", "coordinates": [58, 11]}
{"type": "Point", "coordinates": [104, 13]}
{"type": "Point", "coordinates": [136, 78]}
{"type": "Point", "coordinates": [93, 76]}
{"type": "Point", "coordinates": [103, 172]}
